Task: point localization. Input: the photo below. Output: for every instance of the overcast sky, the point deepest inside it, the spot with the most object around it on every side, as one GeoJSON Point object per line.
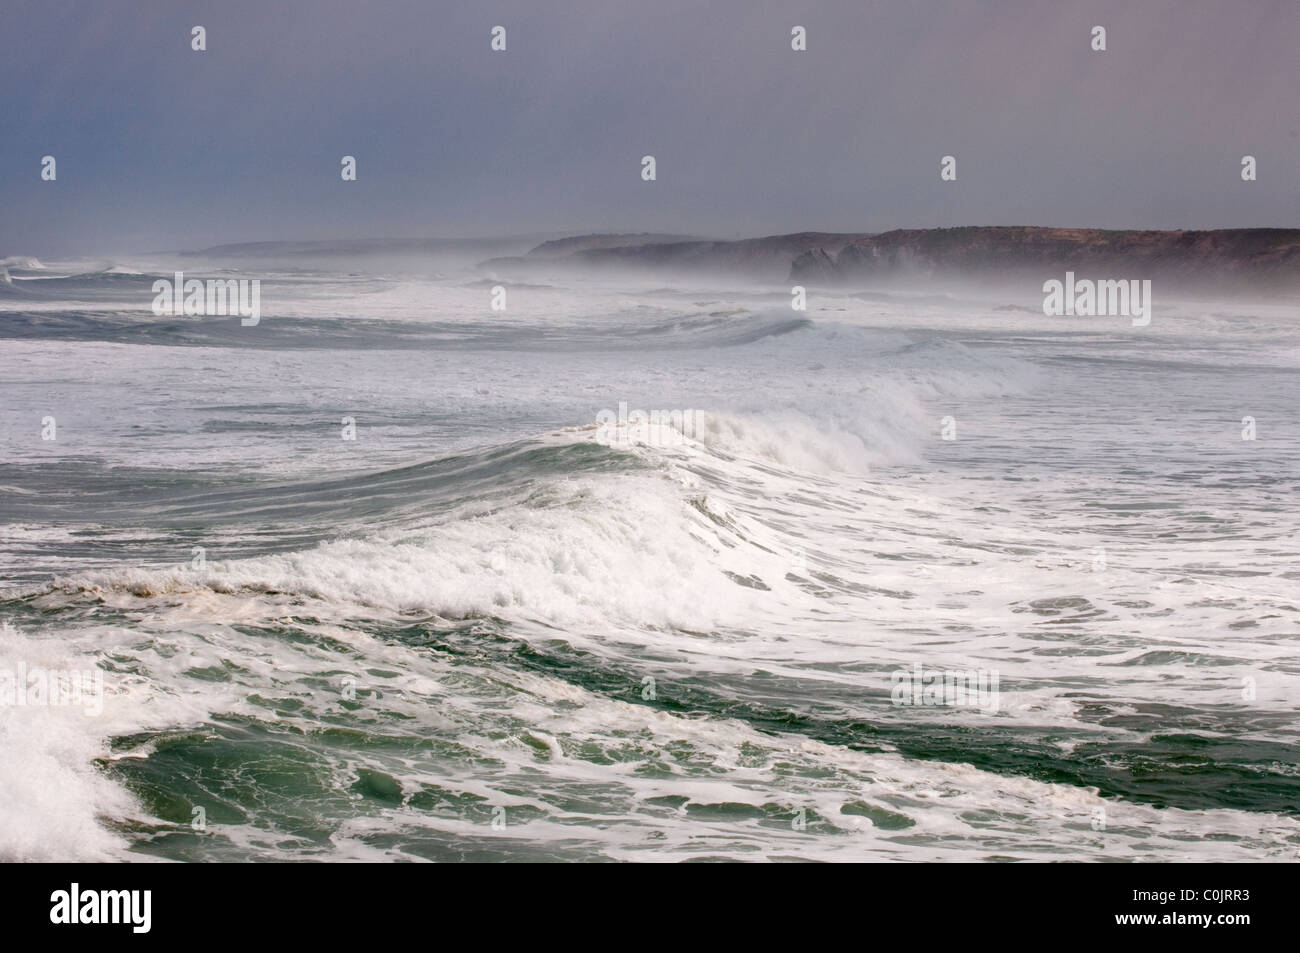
{"type": "Point", "coordinates": [159, 147]}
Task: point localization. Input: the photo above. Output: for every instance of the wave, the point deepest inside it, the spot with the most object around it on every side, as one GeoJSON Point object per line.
{"type": "Point", "coordinates": [125, 317]}
{"type": "Point", "coordinates": [637, 523]}
{"type": "Point", "coordinates": [559, 529]}
{"type": "Point", "coordinates": [51, 795]}
{"type": "Point", "coordinates": [505, 605]}
{"type": "Point", "coordinates": [22, 262]}
{"type": "Point", "coordinates": [622, 636]}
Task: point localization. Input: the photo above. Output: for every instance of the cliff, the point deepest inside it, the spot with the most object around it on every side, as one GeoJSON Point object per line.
{"type": "Point", "coordinates": [1260, 257]}
{"type": "Point", "coordinates": [1266, 259]}
{"type": "Point", "coordinates": [768, 258]}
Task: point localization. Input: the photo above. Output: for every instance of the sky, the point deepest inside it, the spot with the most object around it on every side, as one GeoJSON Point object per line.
{"type": "Point", "coordinates": [159, 147]}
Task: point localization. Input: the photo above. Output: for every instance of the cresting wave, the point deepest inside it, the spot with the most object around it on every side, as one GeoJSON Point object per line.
{"type": "Point", "coordinates": [532, 643]}
{"type": "Point", "coordinates": [518, 629]}
{"type": "Point", "coordinates": [559, 528]}
{"type": "Point", "coordinates": [558, 532]}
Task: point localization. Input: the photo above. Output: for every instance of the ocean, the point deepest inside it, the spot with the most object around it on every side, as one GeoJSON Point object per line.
{"type": "Point", "coordinates": [392, 575]}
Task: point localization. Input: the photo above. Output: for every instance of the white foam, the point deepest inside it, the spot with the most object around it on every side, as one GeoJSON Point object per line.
{"type": "Point", "coordinates": [52, 795]}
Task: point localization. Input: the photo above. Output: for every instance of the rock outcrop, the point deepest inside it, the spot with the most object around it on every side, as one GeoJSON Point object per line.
{"type": "Point", "coordinates": [1267, 258]}
{"type": "Point", "coordinates": [814, 267]}
{"type": "Point", "coordinates": [768, 258]}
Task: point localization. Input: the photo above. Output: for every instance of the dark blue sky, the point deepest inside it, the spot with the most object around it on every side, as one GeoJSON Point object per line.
{"type": "Point", "coordinates": [160, 147]}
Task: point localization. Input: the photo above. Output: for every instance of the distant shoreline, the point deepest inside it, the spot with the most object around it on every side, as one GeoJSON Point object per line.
{"type": "Point", "coordinates": [1228, 259]}
{"type": "Point", "coordinates": [1263, 258]}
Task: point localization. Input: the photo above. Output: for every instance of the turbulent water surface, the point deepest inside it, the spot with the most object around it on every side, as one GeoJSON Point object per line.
{"type": "Point", "coordinates": [485, 629]}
